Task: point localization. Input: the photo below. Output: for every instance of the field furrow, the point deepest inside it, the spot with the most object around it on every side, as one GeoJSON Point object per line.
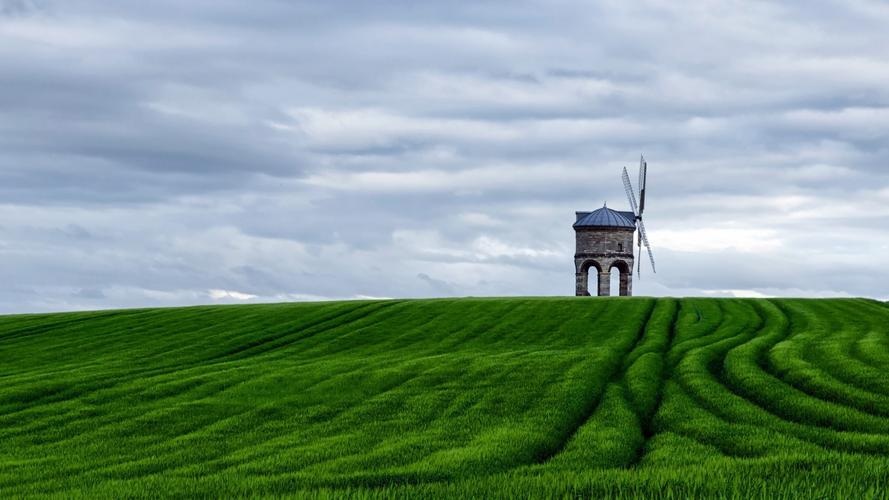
{"type": "Point", "coordinates": [452, 397]}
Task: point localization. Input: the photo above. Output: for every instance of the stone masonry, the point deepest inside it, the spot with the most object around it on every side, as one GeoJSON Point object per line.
{"type": "Point", "coordinates": [599, 250]}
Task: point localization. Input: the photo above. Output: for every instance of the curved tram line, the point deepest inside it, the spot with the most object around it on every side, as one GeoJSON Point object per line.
{"type": "Point", "coordinates": [450, 397]}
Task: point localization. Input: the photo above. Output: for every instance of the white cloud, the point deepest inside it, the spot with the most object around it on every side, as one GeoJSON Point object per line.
{"type": "Point", "coordinates": [374, 128]}
{"type": "Point", "coordinates": [488, 247]}
{"type": "Point", "coordinates": [859, 122]}
{"type": "Point", "coordinates": [106, 34]}
{"type": "Point", "coordinates": [479, 219]}
{"type": "Point", "coordinates": [471, 89]}
{"type": "Point", "coordinates": [229, 294]}
{"type": "Point", "coordinates": [718, 239]}
{"type": "Point", "coordinates": [752, 294]}
{"type": "Point", "coordinates": [462, 181]}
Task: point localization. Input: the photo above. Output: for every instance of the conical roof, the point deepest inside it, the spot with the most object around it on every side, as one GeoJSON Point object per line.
{"type": "Point", "coordinates": [606, 217]}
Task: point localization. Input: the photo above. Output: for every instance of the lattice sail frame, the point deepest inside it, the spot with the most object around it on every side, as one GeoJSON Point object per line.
{"type": "Point", "coordinates": [638, 208]}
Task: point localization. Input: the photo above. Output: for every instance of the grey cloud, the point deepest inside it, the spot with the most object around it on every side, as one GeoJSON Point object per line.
{"type": "Point", "coordinates": [439, 287]}
{"type": "Point", "coordinates": [89, 293]}
{"type": "Point", "coordinates": [19, 7]}
{"type": "Point", "coordinates": [167, 153]}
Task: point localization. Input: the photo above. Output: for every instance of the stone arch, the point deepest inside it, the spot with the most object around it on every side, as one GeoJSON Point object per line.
{"type": "Point", "coordinates": [614, 275]}
{"type": "Point", "coordinates": [583, 273]}
{"type": "Point", "coordinates": [626, 276]}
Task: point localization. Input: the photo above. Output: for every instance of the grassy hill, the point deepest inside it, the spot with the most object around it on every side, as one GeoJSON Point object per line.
{"type": "Point", "coordinates": [465, 397]}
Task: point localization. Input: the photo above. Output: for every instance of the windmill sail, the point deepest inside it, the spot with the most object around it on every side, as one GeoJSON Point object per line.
{"type": "Point", "coordinates": [628, 187]}
{"type": "Point", "coordinates": [638, 208]}
{"type": "Point", "coordinates": [644, 238]}
{"type": "Point", "coordinates": [643, 174]}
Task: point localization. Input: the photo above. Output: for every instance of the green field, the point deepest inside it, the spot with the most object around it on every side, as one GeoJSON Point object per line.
{"type": "Point", "coordinates": [486, 398]}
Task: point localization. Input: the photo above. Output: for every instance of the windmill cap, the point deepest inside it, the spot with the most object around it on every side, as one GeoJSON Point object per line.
{"type": "Point", "coordinates": [606, 217]}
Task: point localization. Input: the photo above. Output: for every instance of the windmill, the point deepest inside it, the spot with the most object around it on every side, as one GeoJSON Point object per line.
{"type": "Point", "coordinates": [638, 209]}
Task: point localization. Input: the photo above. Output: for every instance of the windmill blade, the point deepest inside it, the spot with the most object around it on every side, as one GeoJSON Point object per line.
{"type": "Point", "coordinates": [647, 245]}
{"type": "Point", "coordinates": [651, 258]}
{"type": "Point", "coordinates": [643, 180]}
{"type": "Point", "coordinates": [628, 187]}
{"type": "Point", "coordinates": [639, 260]}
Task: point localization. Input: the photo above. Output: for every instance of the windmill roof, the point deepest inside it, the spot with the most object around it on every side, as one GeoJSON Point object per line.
{"type": "Point", "coordinates": [606, 217]}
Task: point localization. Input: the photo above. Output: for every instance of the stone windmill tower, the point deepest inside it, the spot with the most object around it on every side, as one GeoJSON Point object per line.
{"type": "Point", "coordinates": [604, 241]}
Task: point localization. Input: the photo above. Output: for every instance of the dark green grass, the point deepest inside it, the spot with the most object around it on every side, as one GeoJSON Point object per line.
{"type": "Point", "coordinates": [461, 398]}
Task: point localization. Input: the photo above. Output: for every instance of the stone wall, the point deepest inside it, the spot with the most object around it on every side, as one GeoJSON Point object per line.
{"type": "Point", "coordinates": [598, 250]}
{"type": "Point", "coordinates": [604, 241]}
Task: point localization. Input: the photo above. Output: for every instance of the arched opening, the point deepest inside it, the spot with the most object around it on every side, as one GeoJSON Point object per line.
{"type": "Point", "coordinates": [623, 276]}
{"type": "Point", "coordinates": [588, 276]}
{"type": "Point", "coordinates": [614, 278]}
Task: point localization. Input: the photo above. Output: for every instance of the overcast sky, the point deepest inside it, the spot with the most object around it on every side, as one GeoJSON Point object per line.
{"type": "Point", "coordinates": [215, 151]}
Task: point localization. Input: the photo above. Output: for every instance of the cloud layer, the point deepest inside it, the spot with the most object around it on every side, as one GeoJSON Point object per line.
{"type": "Point", "coordinates": [169, 153]}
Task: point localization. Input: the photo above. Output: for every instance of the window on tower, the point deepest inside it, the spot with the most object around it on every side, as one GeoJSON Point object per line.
{"type": "Point", "coordinates": [620, 247]}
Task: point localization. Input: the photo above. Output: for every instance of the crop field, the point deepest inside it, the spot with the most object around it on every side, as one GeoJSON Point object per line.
{"type": "Point", "coordinates": [539, 397]}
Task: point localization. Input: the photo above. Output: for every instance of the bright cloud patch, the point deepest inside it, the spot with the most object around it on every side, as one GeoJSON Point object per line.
{"type": "Point", "coordinates": [714, 240]}
{"type": "Point", "coordinates": [229, 294]}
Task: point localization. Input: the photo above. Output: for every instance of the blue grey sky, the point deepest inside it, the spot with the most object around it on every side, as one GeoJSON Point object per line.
{"type": "Point", "coordinates": [171, 153]}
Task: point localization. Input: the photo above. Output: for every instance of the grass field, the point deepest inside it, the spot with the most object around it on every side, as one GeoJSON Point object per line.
{"type": "Point", "coordinates": [464, 398]}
